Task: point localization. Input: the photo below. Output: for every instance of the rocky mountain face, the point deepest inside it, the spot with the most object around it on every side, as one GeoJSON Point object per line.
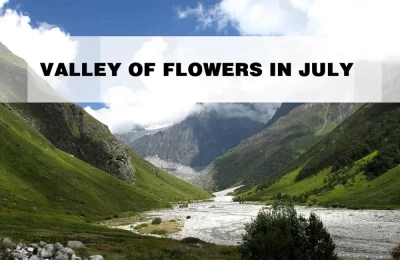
{"type": "Point", "coordinates": [298, 128]}
{"type": "Point", "coordinates": [189, 146]}
{"type": "Point", "coordinates": [283, 110]}
{"type": "Point", "coordinates": [135, 133]}
{"type": "Point", "coordinates": [67, 126]}
{"type": "Point", "coordinates": [71, 129]}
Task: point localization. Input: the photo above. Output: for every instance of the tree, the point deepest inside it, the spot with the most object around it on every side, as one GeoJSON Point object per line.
{"type": "Point", "coordinates": [396, 252]}
{"type": "Point", "coordinates": [320, 244]}
{"type": "Point", "coordinates": [280, 233]}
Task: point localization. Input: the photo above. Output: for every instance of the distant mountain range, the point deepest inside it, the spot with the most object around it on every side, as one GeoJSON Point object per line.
{"type": "Point", "coordinates": [187, 147]}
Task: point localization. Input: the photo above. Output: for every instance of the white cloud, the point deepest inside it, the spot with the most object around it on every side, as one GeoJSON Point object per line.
{"type": "Point", "coordinates": [35, 44]}
{"type": "Point", "coordinates": [300, 17]}
{"type": "Point", "coordinates": [147, 101]}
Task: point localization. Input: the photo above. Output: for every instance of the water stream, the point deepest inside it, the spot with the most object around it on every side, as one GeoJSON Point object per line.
{"type": "Point", "coordinates": [357, 233]}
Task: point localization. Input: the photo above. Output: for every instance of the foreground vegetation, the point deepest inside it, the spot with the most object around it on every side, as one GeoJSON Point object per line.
{"type": "Point", "coordinates": [281, 233]}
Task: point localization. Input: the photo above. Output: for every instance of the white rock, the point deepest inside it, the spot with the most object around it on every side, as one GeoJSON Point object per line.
{"type": "Point", "coordinates": [75, 244]}
{"type": "Point", "coordinates": [48, 251]}
{"type": "Point", "coordinates": [6, 243]}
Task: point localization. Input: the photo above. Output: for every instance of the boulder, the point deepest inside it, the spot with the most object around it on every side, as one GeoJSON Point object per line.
{"type": "Point", "coordinates": [34, 245]}
{"type": "Point", "coordinates": [57, 246]}
{"type": "Point", "coordinates": [34, 257]}
{"type": "Point", "coordinates": [75, 244]}
{"type": "Point", "coordinates": [42, 244]}
{"type": "Point", "coordinates": [96, 257]}
{"type": "Point", "coordinates": [6, 243]}
{"type": "Point", "coordinates": [17, 254]}
{"type": "Point", "coordinates": [64, 254]}
{"type": "Point", "coordinates": [48, 251]}
{"type": "Point", "coordinates": [74, 257]}
{"type": "Point", "coordinates": [19, 246]}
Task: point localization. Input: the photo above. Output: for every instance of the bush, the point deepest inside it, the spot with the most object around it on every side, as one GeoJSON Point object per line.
{"type": "Point", "coordinates": [280, 233]}
{"type": "Point", "coordinates": [159, 232]}
{"type": "Point", "coordinates": [141, 226]}
{"type": "Point", "coordinates": [156, 221]}
{"type": "Point", "coordinates": [396, 252]}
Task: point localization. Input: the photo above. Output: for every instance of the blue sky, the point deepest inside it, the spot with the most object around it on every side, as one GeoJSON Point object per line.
{"type": "Point", "coordinates": [115, 18]}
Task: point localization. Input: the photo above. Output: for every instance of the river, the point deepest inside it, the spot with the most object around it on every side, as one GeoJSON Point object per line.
{"type": "Point", "coordinates": [357, 233]}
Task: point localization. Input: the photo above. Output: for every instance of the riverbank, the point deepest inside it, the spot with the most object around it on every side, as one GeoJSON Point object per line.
{"type": "Point", "coordinates": [357, 233]}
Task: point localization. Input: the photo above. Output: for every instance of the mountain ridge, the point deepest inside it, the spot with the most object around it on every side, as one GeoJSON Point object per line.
{"type": "Point", "coordinates": [274, 147]}
{"type": "Point", "coordinates": [191, 144]}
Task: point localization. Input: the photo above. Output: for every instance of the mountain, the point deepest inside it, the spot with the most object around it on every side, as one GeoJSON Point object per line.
{"type": "Point", "coordinates": [135, 133]}
{"type": "Point", "coordinates": [356, 165]}
{"type": "Point", "coordinates": [283, 110]}
{"type": "Point", "coordinates": [189, 146]}
{"type": "Point", "coordinates": [56, 158]}
{"type": "Point", "coordinates": [297, 127]}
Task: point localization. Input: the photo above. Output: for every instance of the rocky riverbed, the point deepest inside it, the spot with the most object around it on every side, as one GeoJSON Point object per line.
{"type": "Point", "coordinates": [357, 233]}
{"type": "Point", "coordinates": [41, 250]}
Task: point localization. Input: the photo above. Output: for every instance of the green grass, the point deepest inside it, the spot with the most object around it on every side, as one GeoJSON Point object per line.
{"type": "Point", "coordinates": [36, 176]}
{"type": "Point", "coordinates": [382, 192]}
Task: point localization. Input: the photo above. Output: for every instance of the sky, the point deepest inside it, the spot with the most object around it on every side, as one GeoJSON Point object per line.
{"type": "Point", "coordinates": [31, 29]}
{"type": "Point", "coordinates": [113, 18]}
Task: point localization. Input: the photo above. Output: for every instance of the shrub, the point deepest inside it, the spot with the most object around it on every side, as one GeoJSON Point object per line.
{"type": "Point", "coordinates": [156, 221]}
{"type": "Point", "coordinates": [280, 233]}
{"type": "Point", "coordinates": [396, 252]}
{"type": "Point", "coordinates": [159, 232]}
{"type": "Point", "coordinates": [141, 226]}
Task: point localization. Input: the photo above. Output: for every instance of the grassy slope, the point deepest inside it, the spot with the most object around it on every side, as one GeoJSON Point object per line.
{"type": "Point", "coordinates": [37, 177]}
{"type": "Point", "coordinates": [357, 192]}
{"type": "Point", "coordinates": [264, 155]}
{"type": "Point", "coordinates": [337, 171]}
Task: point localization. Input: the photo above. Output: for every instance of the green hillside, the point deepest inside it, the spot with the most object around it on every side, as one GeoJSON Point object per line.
{"type": "Point", "coordinates": [36, 176]}
{"type": "Point", "coordinates": [356, 165]}
{"type": "Point", "coordinates": [264, 155]}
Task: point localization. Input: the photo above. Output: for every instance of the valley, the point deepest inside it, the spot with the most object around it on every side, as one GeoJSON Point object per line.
{"type": "Point", "coordinates": [65, 176]}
